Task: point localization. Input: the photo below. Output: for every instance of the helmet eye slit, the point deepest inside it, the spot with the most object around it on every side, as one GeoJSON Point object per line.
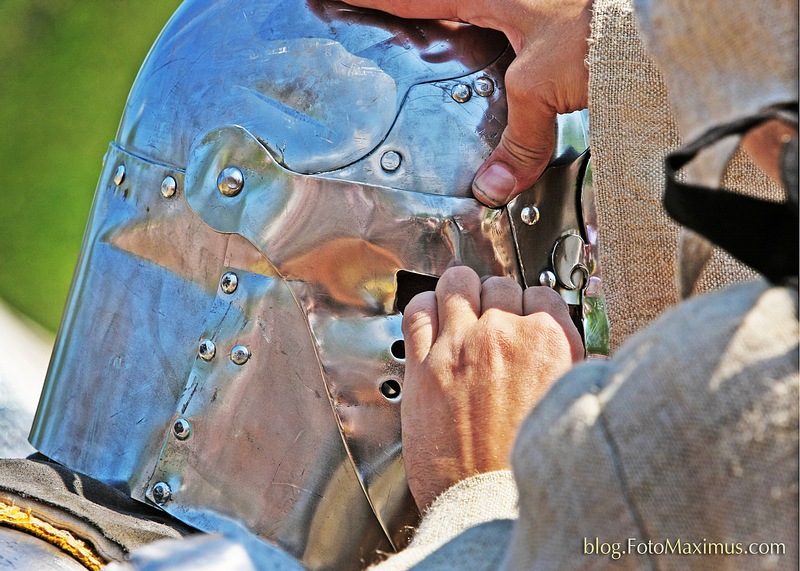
{"type": "Point", "coordinates": [410, 284]}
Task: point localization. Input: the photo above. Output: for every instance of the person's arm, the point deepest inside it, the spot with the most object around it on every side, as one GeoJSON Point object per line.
{"type": "Point", "coordinates": [478, 358]}
{"type": "Point", "coordinates": [548, 76]}
{"type": "Point", "coordinates": [479, 355]}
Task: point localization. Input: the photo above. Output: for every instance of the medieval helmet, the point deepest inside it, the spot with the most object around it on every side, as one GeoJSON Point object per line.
{"type": "Point", "coordinates": [286, 175]}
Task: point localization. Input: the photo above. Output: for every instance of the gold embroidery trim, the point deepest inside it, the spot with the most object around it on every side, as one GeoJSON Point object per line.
{"type": "Point", "coordinates": [24, 520]}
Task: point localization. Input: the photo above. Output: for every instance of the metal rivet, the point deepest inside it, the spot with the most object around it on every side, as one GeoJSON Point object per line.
{"type": "Point", "coordinates": [119, 175]}
{"type": "Point", "coordinates": [161, 493]}
{"type": "Point", "coordinates": [390, 389]}
{"type": "Point", "coordinates": [229, 282]}
{"type": "Point", "coordinates": [240, 354]}
{"type": "Point", "coordinates": [461, 92]}
{"type": "Point", "coordinates": [547, 279]}
{"type": "Point", "coordinates": [390, 161]}
{"type": "Point", "coordinates": [484, 86]}
{"type": "Point", "coordinates": [230, 181]}
{"type": "Point", "coordinates": [529, 214]}
{"type": "Point", "coordinates": [207, 349]}
{"type": "Point", "coordinates": [182, 429]}
{"type": "Point", "coordinates": [168, 187]}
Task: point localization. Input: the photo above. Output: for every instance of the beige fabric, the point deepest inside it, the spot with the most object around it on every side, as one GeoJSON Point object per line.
{"type": "Point", "coordinates": [632, 129]}
{"type": "Point", "coordinates": [690, 433]}
{"type": "Point", "coordinates": [754, 58]}
{"type": "Point", "coordinates": [728, 70]}
{"type": "Point", "coordinates": [478, 512]}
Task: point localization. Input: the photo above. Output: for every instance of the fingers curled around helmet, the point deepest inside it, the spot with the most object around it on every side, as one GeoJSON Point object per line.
{"type": "Point", "coordinates": [458, 297]}
{"type": "Point", "coordinates": [439, 10]}
{"type": "Point", "coordinates": [526, 144]}
{"type": "Point", "coordinates": [420, 326]}
{"type": "Point", "coordinates": [503, 294]}
{"type": "Point", "coordinates": [542, 301]}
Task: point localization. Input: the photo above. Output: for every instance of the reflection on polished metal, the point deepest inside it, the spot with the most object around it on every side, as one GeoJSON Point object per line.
{"type": "Point", "coordinates": [182, 429]}
{"type": "Point", "coordinates": [484, 86]}
{"type": "Point", "coordinates": [390, 161]}
{"type": "Point", "coordinates": [230, 181]}
{"type": "Point", "coordinates": [119, 175]}
{"type": "Point", "coordinates": [162, 493]}
{"type": "Point", "coordinates": [461, 92]}
{"type": "Point", "coordinates": [229, 282]}
{"type": "Point", "coordinates": [206, 350]}
{"type": "Point", "coordinates": [168, 187]}
{"type": "Point", "coordinates": [595, 315]}
{"type": "Point", "coordinates": [22, 551]}
{"type": "Point", "coordinates": [240, 355]}
{"type": "Point", "coordinates": [569, 265]}
{"type": "Point", "coordinates": [547, 279]}
{"type": "Point", "coordinates": [306, 435]}
{"type": "Point", "coordinates": [529, 214]}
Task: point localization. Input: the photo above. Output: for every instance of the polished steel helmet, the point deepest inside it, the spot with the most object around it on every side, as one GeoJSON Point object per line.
{"type": "Point", "coordinates": [286, 175]}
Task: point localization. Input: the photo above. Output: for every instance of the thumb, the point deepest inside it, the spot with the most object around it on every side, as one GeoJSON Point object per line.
{"type": "Point", "coordinates": [526, 145]}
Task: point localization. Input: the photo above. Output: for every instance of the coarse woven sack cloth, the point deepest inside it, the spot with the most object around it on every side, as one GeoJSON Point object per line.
{"type": "Point", "coordinates": [632, 130]}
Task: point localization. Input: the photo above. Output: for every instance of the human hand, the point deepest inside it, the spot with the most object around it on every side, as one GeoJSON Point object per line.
{"type": "Point", "coordinates": [478, 357]}
{"type": "Point", "coordinates": [548, 76]}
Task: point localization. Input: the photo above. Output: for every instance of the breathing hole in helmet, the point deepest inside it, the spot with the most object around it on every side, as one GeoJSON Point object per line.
{"type": "Point", "coordinates": [391, 389]}
{"type": "Point", "coordinates": [410, 284]}
{"type": "Point", "coordinates": [399, 349]}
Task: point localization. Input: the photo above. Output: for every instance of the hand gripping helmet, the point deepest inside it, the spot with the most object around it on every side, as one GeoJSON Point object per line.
{"type": "Point", "coordinates": [286, 175]}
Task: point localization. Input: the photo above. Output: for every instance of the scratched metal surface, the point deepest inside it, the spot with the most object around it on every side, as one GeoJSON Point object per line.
{"type": "Point", "coordinates": [297, 444]}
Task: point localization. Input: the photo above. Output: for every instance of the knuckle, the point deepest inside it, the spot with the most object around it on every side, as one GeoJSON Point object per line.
{"type": "Point", "coordinates": [413, 321]}
{"type": "Point", "coordinates": [419, 308]}
{"type": "Point", "coordinates": [545, 299]}
{"type": "Point", "coordinates": [522, 151]}
{"type": "Point", "coordinates": [458, 274]}
{"type": "Point", "coordinates": [420, 303]}
{"type": "Point", "coordinates": [501, 284]}
{"type": "Point", "coordinates": [502, 292]}
{"type": "Point", "coordinates": [545, 324]}
{"type": "Point", "coordinates": [497, 331]}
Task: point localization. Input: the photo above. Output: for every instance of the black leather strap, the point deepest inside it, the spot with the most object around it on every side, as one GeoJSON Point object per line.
{"type": "Point", "coordinates": [764, 235]}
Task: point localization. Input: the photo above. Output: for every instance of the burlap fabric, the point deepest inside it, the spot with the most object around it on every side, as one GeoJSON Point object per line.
{"type": "Point", "coordinates": [632, 130]}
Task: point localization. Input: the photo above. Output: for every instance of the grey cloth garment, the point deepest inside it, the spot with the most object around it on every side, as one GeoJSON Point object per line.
{"type": "Point", "coordinates": [106, 518]}
{"type": "Point", "coordinates": [690, 432]}
{"type": "Point", "coordinates": [467, 527]}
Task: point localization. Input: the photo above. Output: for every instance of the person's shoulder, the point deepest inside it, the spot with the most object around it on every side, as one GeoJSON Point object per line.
{"type": "Point", "coordinates": [746, 333]}
{"type": "Point", "coordinates": [708, 391]}
{"type": "Point", "coordinates": [90, 510]}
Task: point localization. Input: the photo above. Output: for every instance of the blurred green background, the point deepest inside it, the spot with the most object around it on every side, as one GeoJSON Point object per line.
{"type": "Point", "coordinates": [66, 67]}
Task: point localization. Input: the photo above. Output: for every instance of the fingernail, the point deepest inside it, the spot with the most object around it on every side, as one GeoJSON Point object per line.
{"type": "Point", "coordinates": [495, 184]}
